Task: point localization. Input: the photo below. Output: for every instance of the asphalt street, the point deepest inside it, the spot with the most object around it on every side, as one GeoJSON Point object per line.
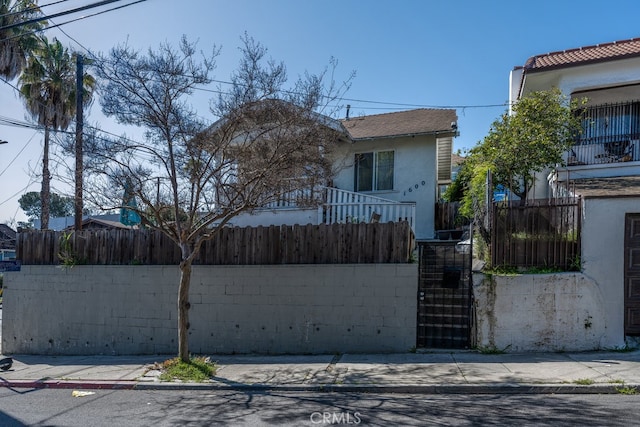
{"type": "Point", "coordinates": [268, 408]}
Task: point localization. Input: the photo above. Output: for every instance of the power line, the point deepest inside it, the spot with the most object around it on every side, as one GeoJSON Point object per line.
{"type": "Point", "coordinates": [387, 103]}
{"type": "Point", "coordinates": [31, 178]}
{"type": "Point", "coordinates": [55, 15]}
{"type": "Point", "coordinates": [8, 121]}
{"type": "Point", "coordinates": [19, 152]}
{"type": "Point", "coordinates": [396, 104]}
{"type": "Point", "coordinates": [69, 21]}
{"type": "Point", "coordinates": [31, 9]}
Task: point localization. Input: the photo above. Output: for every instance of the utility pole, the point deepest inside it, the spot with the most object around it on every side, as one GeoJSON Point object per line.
{"type": "Point", "coordinates": [79, 161]}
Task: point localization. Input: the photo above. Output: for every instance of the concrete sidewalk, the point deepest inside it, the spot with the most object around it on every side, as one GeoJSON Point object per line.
{"type": "Point", "coordinates": [437, 372]}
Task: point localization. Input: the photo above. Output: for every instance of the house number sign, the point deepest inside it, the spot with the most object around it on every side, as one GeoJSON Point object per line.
{"type": "Point", "coordinates": [414, 187]}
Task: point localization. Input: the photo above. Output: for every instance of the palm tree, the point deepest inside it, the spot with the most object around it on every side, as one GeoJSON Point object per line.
{"type": "Point", "coordinates": [17, 42]}
{"type": "Point", "coordinates": [48, 88]}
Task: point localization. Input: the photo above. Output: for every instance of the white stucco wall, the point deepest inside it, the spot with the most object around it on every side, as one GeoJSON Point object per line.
{"type": "Point", "coordinates": [572, 79]}
{"type": "Point", "coordinates": [603, 254]}
{"type": "Point", "coordinates": [414, 179]}
{"type": "Point", "coordinates": [542, 312]}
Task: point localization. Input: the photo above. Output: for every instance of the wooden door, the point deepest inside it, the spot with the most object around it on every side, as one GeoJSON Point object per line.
{"type": "Point", "coordinates": [632, 275]}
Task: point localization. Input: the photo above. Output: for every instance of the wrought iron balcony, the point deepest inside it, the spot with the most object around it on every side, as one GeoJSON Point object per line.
{"type": "Point", "coordinates": [610, 134]}
{"type": "Point", "coordinates": [598, 152]}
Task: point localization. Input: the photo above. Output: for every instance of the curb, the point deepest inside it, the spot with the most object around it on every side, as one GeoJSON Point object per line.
{"type": "Point", "coordinates": [77, 384]}
{"type": "Point", "coordinates": [403, 389]}
{"type": "Point", "coordinates": [329, 388]}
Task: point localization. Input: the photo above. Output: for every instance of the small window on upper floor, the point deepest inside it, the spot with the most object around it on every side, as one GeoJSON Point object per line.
{"type": "Point", "coordinates": [374, 171]}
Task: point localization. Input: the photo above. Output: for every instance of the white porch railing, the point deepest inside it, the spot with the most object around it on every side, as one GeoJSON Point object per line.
{"type": "Point", "coordinates": [343, 206]}
{"type": "Point", "coordinates": [297, 198]}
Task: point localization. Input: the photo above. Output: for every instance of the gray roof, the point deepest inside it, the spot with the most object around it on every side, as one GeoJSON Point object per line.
{"type": "Point", "coordinates": [61, 223]}
{"type": "Point", "coordinates": [412, 122]}
{"type": "Point", "coordinates": [614, 187]}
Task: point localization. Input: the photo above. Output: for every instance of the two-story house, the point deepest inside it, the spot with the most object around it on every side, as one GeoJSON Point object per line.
{"type": "Point", "coordinates": [603, 167]}
{"type": "Point", "coordinates": [389, 166]}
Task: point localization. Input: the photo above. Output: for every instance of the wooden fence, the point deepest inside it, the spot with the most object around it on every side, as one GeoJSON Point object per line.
{"type": "Point", "coordinates": [538, 234]}
{"type": "Point", "coordinates": [310, 244]}
{"type": "Point", "coordinates": [447, 216]}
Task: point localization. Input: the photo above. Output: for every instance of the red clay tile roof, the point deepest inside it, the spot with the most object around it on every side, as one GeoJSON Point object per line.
{"type": "Point", "coordinates": [584, 55]}
{"type": "Point", "coordinates": [412, 122]}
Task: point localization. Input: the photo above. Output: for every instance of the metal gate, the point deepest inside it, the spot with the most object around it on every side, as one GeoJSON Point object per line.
{"type": "Point", "coordinates": [444, 294]}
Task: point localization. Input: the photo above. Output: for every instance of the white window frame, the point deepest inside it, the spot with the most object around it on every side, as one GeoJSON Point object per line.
{"type": "Point", "coordinates": [374, 172]}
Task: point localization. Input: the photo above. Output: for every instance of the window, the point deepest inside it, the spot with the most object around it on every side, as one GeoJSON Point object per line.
{"type": "Point", "coordinates": [374, 171]}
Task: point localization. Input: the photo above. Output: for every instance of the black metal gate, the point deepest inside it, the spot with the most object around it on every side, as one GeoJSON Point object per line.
{"type": "Point", "coordinates": [444, 294]}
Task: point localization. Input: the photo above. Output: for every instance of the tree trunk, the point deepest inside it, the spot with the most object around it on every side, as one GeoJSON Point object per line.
{"type": "Point", "coordinates": [183, 310]}
{"type": "Point", "coordinates": [45, 194]}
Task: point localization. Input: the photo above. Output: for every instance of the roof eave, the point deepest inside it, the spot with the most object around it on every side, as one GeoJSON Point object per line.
{"type": "Point", "coordinates": [405, 135]}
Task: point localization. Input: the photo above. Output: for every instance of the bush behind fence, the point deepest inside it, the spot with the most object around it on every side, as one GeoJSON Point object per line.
{"type": "Point", "coordinates": [538, 234]}
{"type": "Point", "coordinates": [308, 244]}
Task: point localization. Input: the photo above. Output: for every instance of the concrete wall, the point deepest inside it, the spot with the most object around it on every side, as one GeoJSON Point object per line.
{"type": "Point", "coordinates": [557, 306]}
{"type": "Point", "coordinates": [241, 309]}
{"type": "Point", "coordinates": [542, 312]}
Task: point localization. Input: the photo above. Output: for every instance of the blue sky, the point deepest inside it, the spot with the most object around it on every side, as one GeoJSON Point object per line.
{"type": "Point", "coordinates": [406, 54]}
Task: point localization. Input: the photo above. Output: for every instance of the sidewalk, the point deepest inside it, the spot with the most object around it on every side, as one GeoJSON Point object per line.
{"type": "Point", "coordinates": [437, 372]}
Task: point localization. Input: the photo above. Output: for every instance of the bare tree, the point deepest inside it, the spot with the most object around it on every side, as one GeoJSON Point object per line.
{"type": "Point", "coordinates": [191, 178]}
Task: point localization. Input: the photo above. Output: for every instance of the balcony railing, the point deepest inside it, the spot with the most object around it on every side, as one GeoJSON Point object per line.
{"type": "Point", "coordinates": [615, 151]}
{"type": "Point", "coordinates": [610, 134]}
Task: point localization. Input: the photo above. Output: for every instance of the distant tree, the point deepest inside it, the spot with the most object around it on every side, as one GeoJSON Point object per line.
{"type": "Point", "coordinates": [48, 88]}
{"type": "Point", "coordinates": [17, 41]}
{"type": "Point", "coordinates": [190, 178]}
{"type": "Point", "coordinates": [31, 204]}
